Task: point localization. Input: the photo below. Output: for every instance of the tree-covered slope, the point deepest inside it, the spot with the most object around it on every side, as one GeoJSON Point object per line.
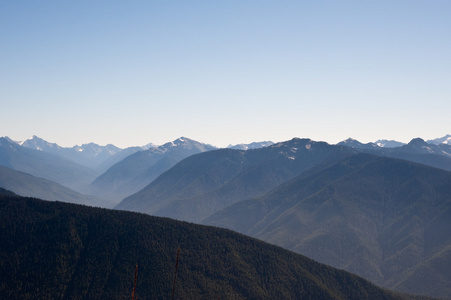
{"type": "Point", "coordinates": [54, 250]}
{"type": "Point", "coordinates": [385, 219]}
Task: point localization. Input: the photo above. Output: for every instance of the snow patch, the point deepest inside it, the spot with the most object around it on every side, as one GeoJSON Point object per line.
{"type": "Point", "coordinates": [428, 149]}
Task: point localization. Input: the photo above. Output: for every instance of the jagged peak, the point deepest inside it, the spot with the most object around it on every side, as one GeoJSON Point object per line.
{"type": "Point", "coordinates": [8, 139]}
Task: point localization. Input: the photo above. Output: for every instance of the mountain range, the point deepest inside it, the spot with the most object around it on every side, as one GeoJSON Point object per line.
{"type": "Point", "coordinates": [54, 250]}
{"type": "Point", "coordinates": [202, 184]}
{"type": "Point", "coordinates": [45, 165]}
{"type": "Point", "coordinates": [417, 150]}
{"type": "Point", "coordinates": [199, 187]}
{"type": "Point", "coordinates": [28, 185]}
{"type": "Point", "coordinates": [254, 145]}
{"type": "Point", "coordinates": [443, 140]}
{"type": "Point", "coordinates": [380, 212]}
{"type": "Point", "coordinates": [205, 183]}
{"type": "Point", "coordinates": [91, 155]}
{"type": "Point", "coordinates": [384, 219]}
{"type": "Point", "coordinates": [140, 168]}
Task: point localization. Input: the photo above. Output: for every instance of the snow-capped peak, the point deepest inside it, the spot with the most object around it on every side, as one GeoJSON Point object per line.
{"type": "Point", "coordinates": [443, 140]}
{"type": "Point", "coordinates": [389, 143]}
{"type": "Point", "coordinates": [39, 144]}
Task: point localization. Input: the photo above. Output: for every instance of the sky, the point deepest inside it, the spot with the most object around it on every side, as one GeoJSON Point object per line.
{"type": "Point", "coordinates": [224, 72]}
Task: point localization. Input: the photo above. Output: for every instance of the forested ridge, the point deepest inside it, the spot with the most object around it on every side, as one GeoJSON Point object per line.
{"type": "Point", "coordinates": [55, 250]}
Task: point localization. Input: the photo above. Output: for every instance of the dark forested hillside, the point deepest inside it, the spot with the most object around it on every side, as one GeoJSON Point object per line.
{"type": "Point", "coordinates": [6, 192]}
{"type": "Point", "coordinates": [54, 250]}
{"type": "Point", "coordinates": [385, 219]}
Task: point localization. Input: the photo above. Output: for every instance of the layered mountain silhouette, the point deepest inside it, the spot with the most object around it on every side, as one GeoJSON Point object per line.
{"type": "Point", "coordinates": [90, 155]}
{"type": "Point", "coordinates": [385, 219]}
{"type": "Point", "coordinates": [358, 145]}
{"type": "Point", "coordinates": [316, 188]}
{"type": "Point", "coordinates": [45, 165]}
{"type": "Point", "coordinates": [254, 145]}
{"type": "Point", "coordinates": [54, 250]}
{"type": "Point", "coordinates": [443, 140]}
{"type": "Point", "coordinates": [139, 169]}
{"type": "Point", "coordinates": [417, 150]}
{"type": "Point", "coordinates": [205, 183]}
{"type": "Point", "coordinates": [388, 143]}
{"type": "Point", "coordinates": [27, 185]}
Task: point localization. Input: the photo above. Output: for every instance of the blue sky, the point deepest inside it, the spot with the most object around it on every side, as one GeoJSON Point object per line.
{"type": "Point", "coordinates": [224, 72]}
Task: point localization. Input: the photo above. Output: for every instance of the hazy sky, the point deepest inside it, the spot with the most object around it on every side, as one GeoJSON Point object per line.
{"type": "Point", "coordinates": [224, 72]}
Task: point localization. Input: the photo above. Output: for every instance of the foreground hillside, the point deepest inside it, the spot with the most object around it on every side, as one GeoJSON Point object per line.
{"type": "Point", "coordinates": [54, 250]}
{"type": "Point", "coordinates": [384, 219]}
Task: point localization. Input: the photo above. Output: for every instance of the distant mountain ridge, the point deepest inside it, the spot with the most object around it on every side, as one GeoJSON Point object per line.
{"type": "Point", "coordinates": [389, 143]}
{"type": "Point", "coordinates": [90, 155]}
{"type": "Point", "coordinates": [443, 140]}
{"type": "Point", "coordinates": [417, 150]}
{"type": "Point", "coordinates": [86, 168]}
{"type": "Point", "coordinates": [44, 165]}
{"type": "Point", "coordinates": [356, 144]}
{"type": "Point", "coordinates": [30, 186]}
{"type": "Point", "coordinates": [180, 203]}
{"type": "Point", "coordinates": [254, 145]}
{"type": "Point", "coordinates": [394, 144]}
{"type": "Point", "coordinates": [140, 168]}
{"type": "Point", "coordinates": [204, 183]}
